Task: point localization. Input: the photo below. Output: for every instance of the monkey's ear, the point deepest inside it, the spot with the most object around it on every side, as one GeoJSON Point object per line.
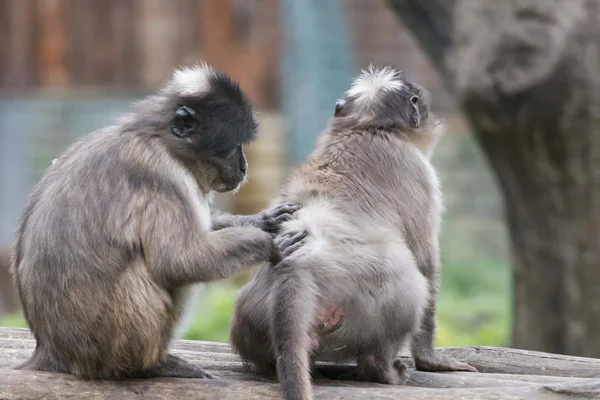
{"type": "Point", "coordinates": [340, 107]}
{"type": "Point", "coordinates": [416, 115]}
{"type": "Point", "coordinates": [184, 122]}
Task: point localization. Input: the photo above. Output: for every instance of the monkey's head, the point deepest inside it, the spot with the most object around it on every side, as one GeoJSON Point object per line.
{"type": "Point", "coordinates": [204, 118]}
{"type": "Point", "coordinates": [211, 120]}
{"type": "Point", "coordinates": [382, 98]}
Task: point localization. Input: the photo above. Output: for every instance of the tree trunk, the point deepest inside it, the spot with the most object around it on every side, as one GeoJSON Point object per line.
{"type": "Point", "coordinates": [527, 76]}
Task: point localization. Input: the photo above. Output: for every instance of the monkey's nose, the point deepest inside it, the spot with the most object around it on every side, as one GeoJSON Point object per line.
{"type": "Point", "coordinates": [244, 169]}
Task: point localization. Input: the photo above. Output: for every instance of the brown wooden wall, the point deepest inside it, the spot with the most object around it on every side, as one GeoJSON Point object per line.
{"type": "Point", "coordinates": [136, 43]}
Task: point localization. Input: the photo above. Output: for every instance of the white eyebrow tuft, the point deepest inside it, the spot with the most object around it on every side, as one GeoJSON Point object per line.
{"type": "Point", "coordinates": [372, 82]}
{"type": "Point", "coordinates": [192, 81]}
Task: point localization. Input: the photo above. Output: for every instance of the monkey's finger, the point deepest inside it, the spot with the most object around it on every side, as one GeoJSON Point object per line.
{"type": "Point", "coordinates": [299, 236]}
{"type": "Point", "coordinates": [288, 208]}
{"type": "Point", "coordinates": [287, 241]}
{"type": "Point", "coordinates": [291, 249]}
{"type": "Point", "coordinates": [283, 218]}
{"type": "Point", "coordinates": [281, 238]}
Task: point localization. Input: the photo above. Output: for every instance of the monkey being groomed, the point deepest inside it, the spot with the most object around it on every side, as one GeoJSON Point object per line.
{"type": "Point", "coordinates": [119, 228]}
{"type": "Point", "coordinates": [362, 276]}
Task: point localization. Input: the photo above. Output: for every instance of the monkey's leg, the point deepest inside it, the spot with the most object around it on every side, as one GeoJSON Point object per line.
{"type": "Point", "coordinates": [174, 367]}
{"type": "Point", "coordinates": [292, 315]}
{"type": "Point", "coordinates": [422, 349]}
{"type": "Point", "coordinates": [382, 367]}
{"type": "Point", "coordinates": [250, 338]}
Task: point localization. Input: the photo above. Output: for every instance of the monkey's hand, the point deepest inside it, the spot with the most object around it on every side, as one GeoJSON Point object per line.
{"type": "Point", "coordinates": [440, 362]}
{"type": "Point", "coordinates": [270, 220]}
{"type": "Point", "coordinates": [289, 243]}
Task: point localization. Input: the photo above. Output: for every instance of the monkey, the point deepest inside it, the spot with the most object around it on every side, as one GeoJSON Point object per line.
{"type": "Point", "coordinates": [361, 276]}
{"type": "Point", "coordinates": [118, 230]}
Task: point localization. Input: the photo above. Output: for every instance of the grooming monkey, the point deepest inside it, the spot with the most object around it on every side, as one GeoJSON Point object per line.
{"type": "Point", "coordinates": [119, 228]}
{"type": "Point", "coordinates": [362, 273]}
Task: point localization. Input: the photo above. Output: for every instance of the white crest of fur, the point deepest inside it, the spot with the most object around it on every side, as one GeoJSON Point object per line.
{"type": "Point", "coordinates": [199, 201]}
{"type": "Point", "coordinates": [192, 81]}
{"type": "Point", "coordinates": [372, 82]}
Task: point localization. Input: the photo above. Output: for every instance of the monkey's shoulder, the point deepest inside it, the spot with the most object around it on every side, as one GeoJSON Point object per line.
{"type": "Point", "coordinates": [111, 174]}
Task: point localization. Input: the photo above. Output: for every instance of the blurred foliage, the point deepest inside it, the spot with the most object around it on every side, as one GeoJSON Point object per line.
{"type": "Point", "coordinates": [213, 314]}
{"type": "Point", "coordinates": [13, 321]}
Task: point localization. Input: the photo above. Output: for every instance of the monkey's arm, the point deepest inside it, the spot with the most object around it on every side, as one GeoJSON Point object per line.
{"type": "Point", "coordinates": [178, 252]}
{"type": "Point", "coordinates": [267, 220]}
{"type": "Point", "coordinates": [422, 344]}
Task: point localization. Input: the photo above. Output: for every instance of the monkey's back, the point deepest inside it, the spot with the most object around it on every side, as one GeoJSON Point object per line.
{"type": "Point", "coordinates": [79, 266]}
{"type": "Point", "coordinates": [362, 209]}
{"type": "Point", "coordinates": [373, 187]}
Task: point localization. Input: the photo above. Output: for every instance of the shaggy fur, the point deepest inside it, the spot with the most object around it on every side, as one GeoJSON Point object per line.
{"type": "Point", "coordinates": [365, 278]}
{"type": "Point", "coordinates": [119, 229]}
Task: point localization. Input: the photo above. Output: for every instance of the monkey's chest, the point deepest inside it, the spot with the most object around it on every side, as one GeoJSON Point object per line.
{"type": "Point", "coordinates": [201, 209]}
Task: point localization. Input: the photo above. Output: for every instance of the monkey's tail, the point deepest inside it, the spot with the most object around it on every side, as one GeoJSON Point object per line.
{"type": "Point", "coordinates": [293, 312]}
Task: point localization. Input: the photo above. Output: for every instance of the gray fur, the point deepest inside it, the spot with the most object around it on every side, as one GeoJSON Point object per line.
{"type": "Point", "coordinates": [371, 206]}
{"type": "Point", "coordinates": [119, 227]}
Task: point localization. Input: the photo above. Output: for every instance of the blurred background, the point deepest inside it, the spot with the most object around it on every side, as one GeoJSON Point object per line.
{"type": "Point", "coordinates": [68, 67]}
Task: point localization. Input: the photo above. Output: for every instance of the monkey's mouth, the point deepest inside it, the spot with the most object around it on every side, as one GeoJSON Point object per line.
{"type": "Point", "coordinates": [226, 187]}
{"type": "Point", "coordinates": [222, 187]}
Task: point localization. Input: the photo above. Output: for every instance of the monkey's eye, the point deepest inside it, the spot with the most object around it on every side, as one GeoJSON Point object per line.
{"type": "Point", "coordinates": [184, 122]}
{"type": "Point", "coordinates": [414, 100]}
{"type": "Point", "coordinates": [185, 114]}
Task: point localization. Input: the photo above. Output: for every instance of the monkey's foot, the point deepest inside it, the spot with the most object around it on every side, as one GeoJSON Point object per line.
{"type": "Point", "coordinates": [441, 363]}
{"type": "Point", "coordinates": [175, 367]}
{"type": "Point", "coordinates": [372, 369]}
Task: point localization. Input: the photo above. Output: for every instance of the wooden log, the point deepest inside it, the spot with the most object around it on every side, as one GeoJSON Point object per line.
{"type": "Point", "coordinates": [527, 375]}
{"type": "Point", "coordinates": [50, 386]}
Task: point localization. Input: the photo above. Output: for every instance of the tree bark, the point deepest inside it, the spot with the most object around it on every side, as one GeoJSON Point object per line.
{"type": "Point", "coordinates": [526, 74]}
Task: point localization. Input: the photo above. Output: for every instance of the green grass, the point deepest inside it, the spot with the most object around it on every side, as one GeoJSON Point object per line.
{"type": "Point", "coordinates": [13, 321]}
{"type": "Point", "coordinates": [213, 314]}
